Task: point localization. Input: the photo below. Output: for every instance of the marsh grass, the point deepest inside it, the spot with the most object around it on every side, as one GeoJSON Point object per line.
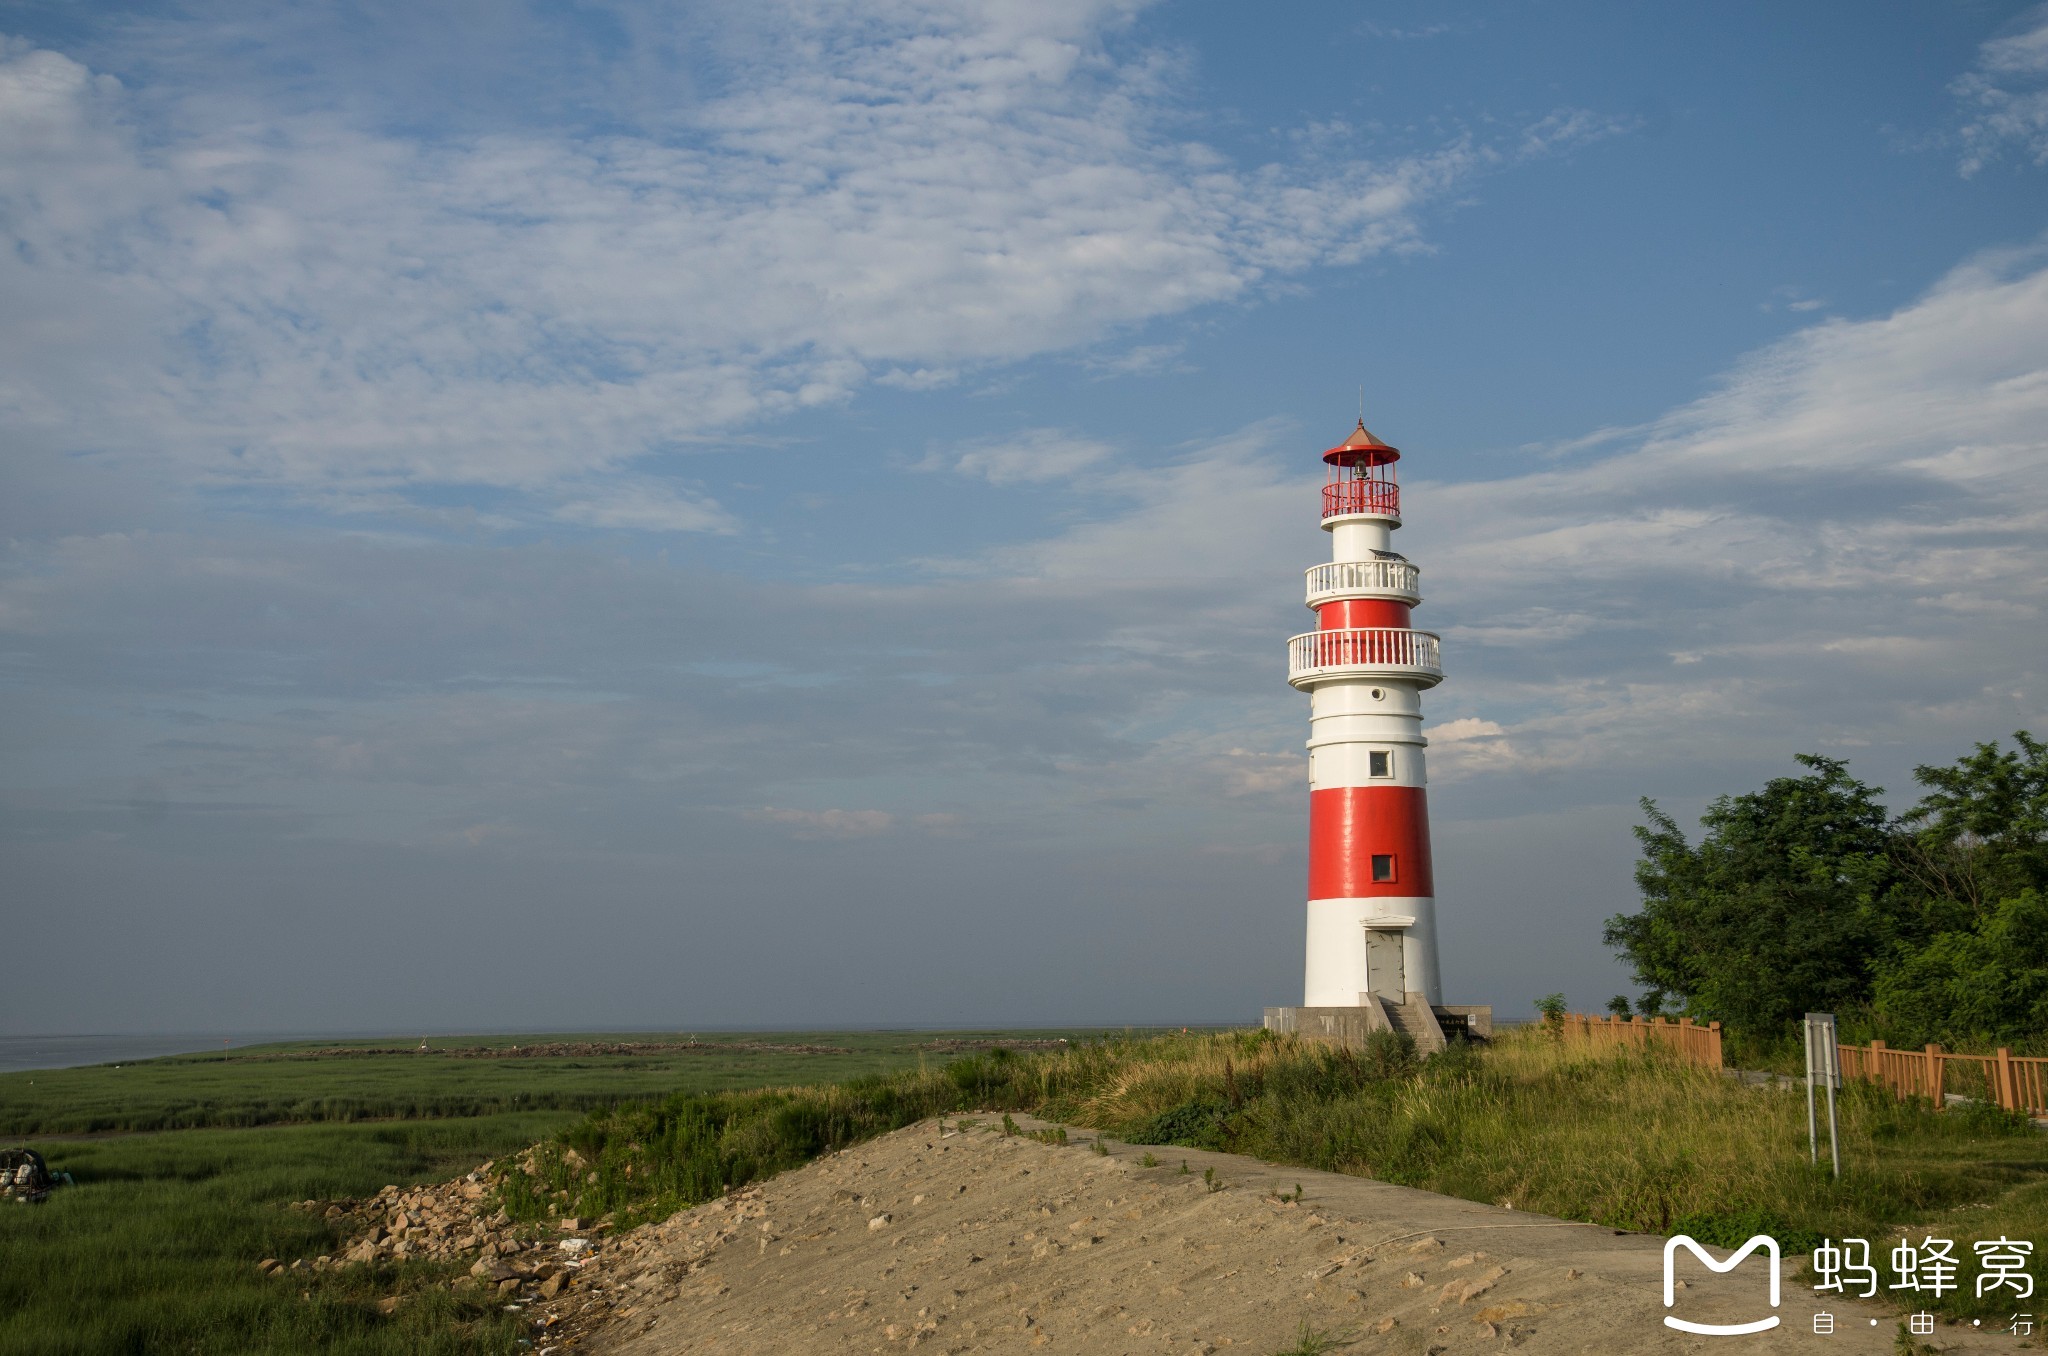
{"type": "Point", "coordinates": [155, 1249]}
{"type": "Point", "coordinates": [296, 1082]}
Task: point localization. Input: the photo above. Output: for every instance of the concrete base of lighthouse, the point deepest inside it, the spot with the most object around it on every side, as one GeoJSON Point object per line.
{"type": "Point", "coordinates": [1371, 966]}
{"type": "Point", "coordinates": [1349, 1025]}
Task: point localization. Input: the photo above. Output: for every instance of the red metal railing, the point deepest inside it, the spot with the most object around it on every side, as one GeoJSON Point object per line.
{"type": "Point", "coordinates": [1362, 496]}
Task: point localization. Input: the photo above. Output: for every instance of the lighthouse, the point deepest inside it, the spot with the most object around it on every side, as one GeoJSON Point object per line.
{"type": "Point", "coordinates": [1372, 942]}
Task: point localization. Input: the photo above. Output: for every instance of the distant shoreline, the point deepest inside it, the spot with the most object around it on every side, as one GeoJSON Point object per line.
{"type": "Point", "coordinates": [20, 1054]}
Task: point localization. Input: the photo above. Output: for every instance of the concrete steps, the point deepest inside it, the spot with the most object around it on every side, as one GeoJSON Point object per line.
{"type": "Point", "coordinates": [1416, 1018]}
{"type": "Point", "coordinates": [1350, 1026]}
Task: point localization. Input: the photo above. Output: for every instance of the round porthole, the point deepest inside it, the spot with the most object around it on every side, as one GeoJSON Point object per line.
{"type": "Point", "coordinates": [1378, 694]}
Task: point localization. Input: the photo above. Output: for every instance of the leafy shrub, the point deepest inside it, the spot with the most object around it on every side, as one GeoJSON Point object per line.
{"type": "Point", "coordinates": [1734, 1230]}
{"type": "Point", "coordinates": [1197, 1123]}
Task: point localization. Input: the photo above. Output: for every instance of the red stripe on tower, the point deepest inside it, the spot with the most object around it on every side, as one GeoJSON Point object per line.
{"type": "Point", "coordinates": [1369, 841]}
{"type": "Point", "coordinates": [1351, 612]}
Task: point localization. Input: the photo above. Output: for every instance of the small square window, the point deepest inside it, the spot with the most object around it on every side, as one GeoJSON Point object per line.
{"type": "Point", "coordinates": [1379, 763]}
{"type": "Point", "coordinates": [1382, 866]}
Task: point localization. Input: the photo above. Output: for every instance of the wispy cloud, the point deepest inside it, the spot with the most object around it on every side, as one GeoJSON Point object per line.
{"type": "Point", "coordinates": [1032, 457]}
{"type": "Point", "coordinates": [2005, 97]}
{"type": "Point", "coordinates": [638, 505]}
{"type": "Point", "coordinates": [1141, 360]}
{"type": "Point", "coordinates": [1808, 555]}
{"type": "Point", "coordinates": [295, 294]}
{"type": "Point", "coordinates": [829, 823]}
{"type": "Point", "coordinates": [1769, 564]}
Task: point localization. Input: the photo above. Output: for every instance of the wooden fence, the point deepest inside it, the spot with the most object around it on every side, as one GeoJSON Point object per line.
{"type": "Point", "coordinates": [1691, 1042]}
{"type": "Point", "coordinates": [2015, 1082]}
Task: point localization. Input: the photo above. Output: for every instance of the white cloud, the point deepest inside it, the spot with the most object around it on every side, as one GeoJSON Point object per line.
{"type": "Point", "coordinates": [644, 507]}
{"type": "Point", "coordinates": [1029, 458]}
{"type": "Point", "coordinates": [1835, 545]}
{"type": "Point", "coordinates": [1462, 729]}
{"type": "Point", "coordinates": [829, 823]}
{"type": "Point", "coordinates": [2006, 96]}
{"type": "Point", "coordinates": [1250, 772]}
{"type": "Point", "coordinates": [1141, 360]}
{"type": "Point", "coordinates": [897, 193]}
{"type": "Point", "coordinates": [1769, 564]}
{"type": "Point", "coordinates": [1834, 550]}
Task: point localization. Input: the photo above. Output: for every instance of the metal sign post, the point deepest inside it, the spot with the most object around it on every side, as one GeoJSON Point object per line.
{"type": "Point", "coordinates": [1823, 1065]}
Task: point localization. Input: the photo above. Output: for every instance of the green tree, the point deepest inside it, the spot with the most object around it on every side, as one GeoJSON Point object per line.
{"type": "Point", "coordinates": [1981, 832]}
{"type": "Point", "coordinates": [1781, 908]}
{"type": "Point", "coordinates": [1970, 958]}
{"type": "Point", "coordinates": [1971, 985]}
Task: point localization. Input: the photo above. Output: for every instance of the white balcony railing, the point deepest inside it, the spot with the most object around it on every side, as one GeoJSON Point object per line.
{"type": "Point", "coordinates": [1364, 579]}
{"type": "Point", "coordinates": [1363, 652]}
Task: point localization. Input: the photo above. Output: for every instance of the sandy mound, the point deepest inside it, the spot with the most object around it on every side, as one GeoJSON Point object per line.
{"type": "Point", "coordinates": [973, 1241]}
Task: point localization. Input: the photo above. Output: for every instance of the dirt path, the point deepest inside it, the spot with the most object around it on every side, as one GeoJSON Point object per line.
{"type": "Point", "coordinates": [973, 1241]}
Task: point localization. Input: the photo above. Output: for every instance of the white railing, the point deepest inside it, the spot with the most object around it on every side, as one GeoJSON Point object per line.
{"type": "Point", "coordinates": [1361, 651]}
{"type": "Point", "coordinates": [1364, 579]}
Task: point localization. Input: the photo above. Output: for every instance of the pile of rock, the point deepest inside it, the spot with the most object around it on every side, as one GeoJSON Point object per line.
{"type": "Point", "coordinates": [568, 1274]}
{"type": "Point", "coordinates": [570, 1277]}
{"type": "Point", "coordinates": [441, 1222]}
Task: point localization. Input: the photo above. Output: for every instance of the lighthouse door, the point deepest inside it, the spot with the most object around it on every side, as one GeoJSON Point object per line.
{"type": "Point", "coordinates": [1383, 970]}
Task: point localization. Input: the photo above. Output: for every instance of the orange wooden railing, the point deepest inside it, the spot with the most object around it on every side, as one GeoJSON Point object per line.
{"type": "Point", "coordinates": [2015, 1082]}
{"type": "Point", "coordinates": [1691, 1042]}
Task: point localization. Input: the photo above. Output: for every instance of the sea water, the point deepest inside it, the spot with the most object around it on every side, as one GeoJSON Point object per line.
{"type": "Point", "coordinates": [68, 1052]}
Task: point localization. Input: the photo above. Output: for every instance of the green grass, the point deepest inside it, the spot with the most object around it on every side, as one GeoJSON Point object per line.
{"type": "Point", "coordinates": [1314, 1342]}
{"type": "Point", "coordinates": [347, 1081]}
{"type": "Point", "coordinates": [156, 1249]}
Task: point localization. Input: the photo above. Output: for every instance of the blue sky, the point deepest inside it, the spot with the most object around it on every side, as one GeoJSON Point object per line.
{"type": "Point", "coordinates": [639, 515]}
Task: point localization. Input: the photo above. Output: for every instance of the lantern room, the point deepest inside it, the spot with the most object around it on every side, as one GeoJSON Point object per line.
{"type": "Point", "coordinates": [1362, 477]}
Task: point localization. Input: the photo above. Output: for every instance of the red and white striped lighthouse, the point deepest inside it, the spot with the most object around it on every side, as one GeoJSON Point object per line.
{"type": "Point", "coordinates": [1371, 900]}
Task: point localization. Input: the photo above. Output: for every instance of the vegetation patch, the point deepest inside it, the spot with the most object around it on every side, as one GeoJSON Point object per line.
{"type": "Point", "coordinates": [296, 1082]}
{"type": "Point", "coordinates": [1808, 895]}
{"type": "Point", "coordinates": [156, 1248]}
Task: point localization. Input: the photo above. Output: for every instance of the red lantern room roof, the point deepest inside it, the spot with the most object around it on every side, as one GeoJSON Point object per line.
{"type": "Point", "coordinates": [1361, 449]}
